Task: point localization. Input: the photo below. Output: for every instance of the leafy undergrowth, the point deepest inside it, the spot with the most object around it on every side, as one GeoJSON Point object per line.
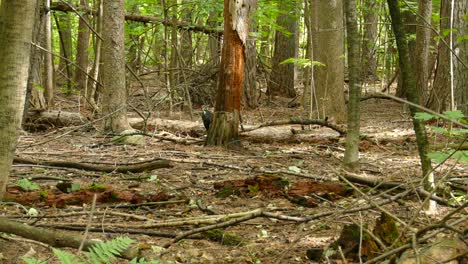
{"type": "Point", "coordinates": [297, 176]}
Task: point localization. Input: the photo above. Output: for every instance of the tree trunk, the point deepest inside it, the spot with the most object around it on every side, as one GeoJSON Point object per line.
{"type": "Point", "coordinates": [113, 70]}
{"type": "Point", "coordinates": [308, 71]}
{"type": "Point", "coordinates": [411, 92]}
{"type": "Point", "coordinates": [409, 21]}
{"type": "Point", "coordinates": [369, 54]}
{"type": "Point", "coordinates": [186, 49]}
{"type": "Point", "coordinates": [48, 61]}
{"type": "Point", "coordinates": [328, 49]}
{"type": "Point", "coordinates": [224, 130]}
{"type": "Point", "coordinates": [16, 31]}
{"type": "Point", "coordinates": [251, 89]}
{"type": "Point", "coordinates": [423, 38]}
{"type": "Point", "coordinates": [213, 40]}
{"type": "Point", "coordinates": [91, 88]}
{"type": "Point", "coordinates": [351, 157]}
{"type": "Point", "coordinates": [64, 29]}
{"type": "Point", "coordinates": [461, 48]}
{"type": "Point", "coordinates": [35, 96]}
{"type": "Point", "coordinates": [281, 81]}
{"type": "Point", "coordinates": [174, 62]}
{"type": "Point", "coordinates": [81, 79]}
{"type": "Point", "coordinates": [439, 95]}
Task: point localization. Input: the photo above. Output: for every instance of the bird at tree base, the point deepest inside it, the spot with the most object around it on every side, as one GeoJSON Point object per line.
{"type": "Point", "coordinates": [207, 117]}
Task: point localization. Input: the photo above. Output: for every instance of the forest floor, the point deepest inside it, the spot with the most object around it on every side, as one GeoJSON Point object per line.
{"type": "Point", "coordinates": [308, 154]}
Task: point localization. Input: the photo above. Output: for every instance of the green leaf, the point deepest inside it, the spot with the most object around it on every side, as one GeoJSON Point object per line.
{"type": "Point", "coordinates": [27, 185]}
{"type": "Point", "coordinates": [441, 130]}
{"type": "Point", "coordinates": [33, 261]}
{"type": "Point", "coordinates": [462, 156]}
{"type": "Point", "coordinates": [438, 157]}
{"type": "Point", "coordinates": [423, 116]}
{"type": "Point", "coordinates": [454, 115]}
{"type": "Point", "coordinates": [253, 188]}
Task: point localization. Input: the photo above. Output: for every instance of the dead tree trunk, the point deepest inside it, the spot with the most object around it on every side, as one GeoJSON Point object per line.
{"type": "Point", "coordinates": [224, 129]}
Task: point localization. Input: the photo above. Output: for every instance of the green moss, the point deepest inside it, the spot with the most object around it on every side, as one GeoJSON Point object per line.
{"type": "Point", "coordinates": [387, 230]}
{"type": "Point", "coordinates": [97, 187]}
{"type": "Point", "coordinates": [225, 238]}
{"type": "Point", "coordinates": [227, 191]}
{"type": "Point", "coordinates": [44, 194]}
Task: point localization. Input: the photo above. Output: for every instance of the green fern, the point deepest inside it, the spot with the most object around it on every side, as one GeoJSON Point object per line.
{"type": "Point", "coordinates": [99, 253]}
{"type": "Point", "coordinates": [105, 251]}
{"type": "Point", "coordinates": [33, 261]}
{"type": "Point", "coordinates": [65, 257]}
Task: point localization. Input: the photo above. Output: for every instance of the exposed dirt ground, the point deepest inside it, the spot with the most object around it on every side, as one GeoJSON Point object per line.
{"type": "Point", "coordinates": [315, 152]}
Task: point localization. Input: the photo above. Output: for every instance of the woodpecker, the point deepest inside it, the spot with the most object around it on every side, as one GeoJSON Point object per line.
{"type": "Point", "coordinates": [207, 117]}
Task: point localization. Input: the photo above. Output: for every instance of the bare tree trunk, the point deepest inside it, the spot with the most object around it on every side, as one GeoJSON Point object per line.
{"type": "Point", "coordinates": [81, 79]}
{"type": "Point", "coordinates": [113, 70]}
{"type": "Point", "coordinates": [91, 88]}
{"type": "Point", "coordinates": [174, 62]}
{"type": "Point", "coordinates": [461, 48]}
{"type": "Point", "coordinates": [64, 29]}
{"type": "Point", "coordinates": [281, 81]}
{"type": "Point", "coordinates": [439, 95]}
{"type": "Point", "coordinates": [251, 89]}
{"type": "Point", "coordinates": [351, 157]}
{"type": "Point", "coordinates": [328, 49]}
{"type": "Point", "coordinates": [48, 61]}
{"type": "Point", "coordinates": [35, 96]}
{"type": "Point", "coordinates": [213, 41]}
{"type": "Point", "coordinates": [16, 31]}
{"type": "Point", "coordinates": [423, 38]}
{"type": "Point", "coordinates": [224, 130]}
{"type": "Point", "coordinates": [369, 54]}
{"type": "Point", "coordinates": [409, 20]}
{"type": "Point", "coordinates": [412, 94]}
{"type": "Point", "coordinates": [186, 48]}
{"type": "Point", "coordinates": [307, 79]}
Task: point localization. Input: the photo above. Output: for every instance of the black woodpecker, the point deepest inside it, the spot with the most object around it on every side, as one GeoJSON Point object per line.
{"type": "Point", "coordinates": [207, 117]}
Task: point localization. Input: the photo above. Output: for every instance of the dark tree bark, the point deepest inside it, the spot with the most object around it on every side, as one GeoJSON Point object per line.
{"type": "Point", "coordinates": [213, 41]}
{"type": "Point", "coordinates": [81, 79]}
{"type": "Point", "coordinates": [186, 49]}
{"type": "Point", "coordinates": [66, 48]}
{"type": "Point", "coordinates": [351, 157]}
{"type": "Point", "coordinates": [423, 38]}
{"type": "Point", "coordinates": [35, 97]}
{"type": "Point", "coordinates": [16, 31]}
{"type": "Point", "coordinates": [409, 21]}
{"type": "Point", "coordinates": [369, 55]}
{"type": "Point", "coordinates": [224, 129]}
{"type": "Point", "coordinates": [438, 98]}
{"type": "Point", "coordinates": [281, 81]}
{"type": "Point", "coordinates": [461, 46]}
{"type": "Point", "coordinates": [411, 91]}
{"type": "Point", "coordinates": [251, 89]}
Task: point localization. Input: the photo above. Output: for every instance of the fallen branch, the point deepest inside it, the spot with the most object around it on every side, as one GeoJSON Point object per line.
{"type": "Point", "coordinates": [299, 121]}
{"type": "Point", "coordinates": [374, 182]}
{"type": "Point", "coordinates": [143, 19]}
{"type": "Point", "coordinates": [133, 167]}
{"type": "Point", "coordinates": [252, 215]}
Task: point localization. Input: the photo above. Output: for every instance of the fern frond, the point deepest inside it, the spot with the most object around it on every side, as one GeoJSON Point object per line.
{"type": "Point", "coordinates": [104, 252]}
{"type": "Point", "coordinates": [65, 257]}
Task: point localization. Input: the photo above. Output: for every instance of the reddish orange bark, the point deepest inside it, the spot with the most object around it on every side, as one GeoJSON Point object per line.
{"type": "Point", "coordinates": [231, 76]}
